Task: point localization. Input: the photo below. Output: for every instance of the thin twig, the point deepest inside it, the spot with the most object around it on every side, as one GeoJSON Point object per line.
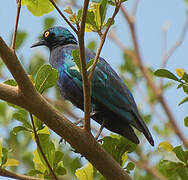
{"type": "Point", "coordinates": [156, 90]}
{"type": "Point", "coordinates": [63, 16]}
{"type": "Point", "coordinates": [176, 45]}
{"type": "Point", "coordinates": [86, 85]}
{"type": "Point", "coordinates": [16, 25]}
{"type": "Point", "coordinates": [135, 6]}
{"type": "Point", "coordinates": [151, 170]}
{"type": "Point", "coordinates": [103, 38]}
{"type": "Point", "coordinates": [6, 173]}
{"type": "Point", "coordinates": [40, 148]}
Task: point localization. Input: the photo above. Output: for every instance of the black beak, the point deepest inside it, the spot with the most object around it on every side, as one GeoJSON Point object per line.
{"type": "Point", "coordinates": [40, 43]}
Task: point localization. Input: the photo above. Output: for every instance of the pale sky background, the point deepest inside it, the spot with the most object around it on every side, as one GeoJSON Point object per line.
{"type": "Point", "coordinates": [151, 16]}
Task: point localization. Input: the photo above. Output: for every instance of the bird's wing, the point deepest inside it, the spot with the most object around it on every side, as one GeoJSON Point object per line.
{"type": "Point", "coordinates": [109, 90]}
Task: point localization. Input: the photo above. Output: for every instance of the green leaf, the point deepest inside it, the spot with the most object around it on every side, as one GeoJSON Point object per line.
{"type": "Point", "coordinates": [46, 77]}
{"type": "Point", "coordinates": [11, 82]}
{"type": "Point", "coordinates": [58, 157]}
{"type": "Point", "coordinates": [49, 22]}
{"type": "Point", "coordinates": [85, 173]}
{"type": "Point", "coordinates": [184, 100]}
{"type": "Point", "coordinates": [186, 121]}
{"type": "Point", "coordinates": [181, 155]}
{"type": "Point", "coordinates": [103, 7]}
{"type": "Point", "coordinates": [34, 172]}
{"type": "Point", "coordinates": [182, 172]}
{"type": "Point", "coordinates": [1, 148]}
{"type": "Point", "coordinates": [38, 7]}
{"type": "Point", "coordinates": [60, 170]}
{"type": "Point", "coordinates": [166, 74]}
{"type": "Point", "coordinates": [117, 146]}
{"type": "Point", "coordinates": [185, 88]}
{"type": "Point", "coordinates": [79, 15]}
{"type": "Point", "coordinates": [89, 64]}
{"type": "Point", "coordinates": [92, 45]}
{"type": "Point", "coordinates": [11, 162]}
{"type": "Point", "coordinates": [21, 116]}
{"type": "Point", "coordinates": [130, 166]}
{"type": "Point", "coordinates": [166, 146]}
{"type": "Point", "coordinates": [19, 128]}
{"type": "Point", "coordinates": [35, 63]}
{"type": "Point", "coordinates": [38, 123]}
{"type": "Point", "coordinates": [168, 169]}
{"type": "Point", "coordinates": [20, 38]}
{"type": "Point", "coordinates": [4, 156]}
{"type": "Point", "coordinates": [90, 22]}
{"type": "Point", "coordinates": [47, 147]}
{"type": "Point", "coordinates": [76, 58]}
{"type": "Point", "coordinates": [108, 22]}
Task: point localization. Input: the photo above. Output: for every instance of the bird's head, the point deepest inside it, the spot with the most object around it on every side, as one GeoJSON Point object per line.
{"type": "Point", "coordinates": [56, 36]}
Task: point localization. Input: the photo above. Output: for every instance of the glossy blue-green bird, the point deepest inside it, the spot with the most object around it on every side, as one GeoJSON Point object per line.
{"type": "Point", "coordinates": [112, 102]}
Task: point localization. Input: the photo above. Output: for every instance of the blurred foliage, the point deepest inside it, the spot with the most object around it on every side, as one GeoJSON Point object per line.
{"type": "Point", "coordinates": [17, 145]}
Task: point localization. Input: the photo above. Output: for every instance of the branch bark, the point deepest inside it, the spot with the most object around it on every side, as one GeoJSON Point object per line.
{"type": "Point", "coordinates": [103, 38]}
{"type": "Point", "coordinates": [16, 24]}
{"type": "Point", "coordinates": [28, 98]}
{"type": "Point", "coordinates": [6, 173]}
{"type": "Point", "coordinates": [86, 84]}
{"type": "Point", "coordinates": [156, 90]}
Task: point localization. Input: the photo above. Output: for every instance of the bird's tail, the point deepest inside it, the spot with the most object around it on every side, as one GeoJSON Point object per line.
{"type": "Point", "coordinates": [141, 126]}
{"type": "Point", "coordinates": [129, 133]}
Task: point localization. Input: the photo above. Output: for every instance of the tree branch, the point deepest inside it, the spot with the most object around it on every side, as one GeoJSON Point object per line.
{"type": "Point", "coordinates": [86, 84]}
{"type": "Point", "coordinates": [176, 45]}
{"type": "Point", "coordinates": [11, 61]}
{"type": "Point", "coordinates": [16, 25]}
{"type": "Point", "coordinates": [80, 140]}
{"type": "Point", "coordinates": [103, 38]}
{"type": "Point", "coordinates": [156, 90]}
{"type": "Point", "coordinates": [6, 173]}
{"type": "Point", "coordinates": [151, 170]}
{"type": "Point", "coordinates": [63, 16]}
{"type": "Point", "coordinates": [40, 148]}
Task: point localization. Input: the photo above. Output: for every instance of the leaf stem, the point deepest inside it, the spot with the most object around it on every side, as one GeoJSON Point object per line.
{"type": "Point", "coordinates": [40, 148]}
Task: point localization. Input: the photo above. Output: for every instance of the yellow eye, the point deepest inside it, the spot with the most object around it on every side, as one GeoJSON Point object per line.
{"type": "Point", "coordinates": [46, 34]}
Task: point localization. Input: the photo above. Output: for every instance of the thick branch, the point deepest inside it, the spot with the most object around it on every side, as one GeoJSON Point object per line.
{"type": "Point", "coordinates": [86, 85]}
{"type": "Point", "coordinates": [6, 173]}
{"type": "Point", "coordinates": [156, 90]}
{"type": "Point", "coordinates": [14, 66]}
{"type": "Point", "coordinates": [80, 140]}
